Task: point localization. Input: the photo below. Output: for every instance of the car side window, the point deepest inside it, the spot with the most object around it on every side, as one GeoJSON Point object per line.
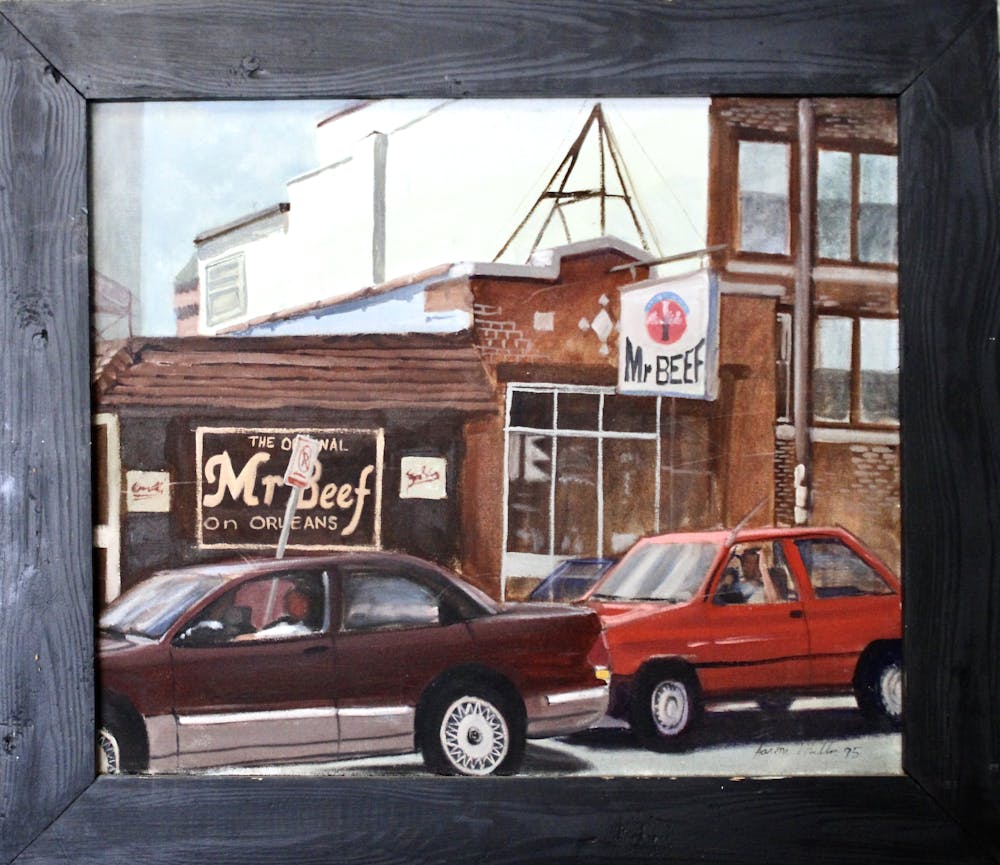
{"type": "Point", "coordinates": [278, 606]}
{"type": "Point", "coordinates": [837, 571]}
{"type": "Point", "coordinates": [375, 600]}
{"type": "Point", "coordinates": [755, 574]}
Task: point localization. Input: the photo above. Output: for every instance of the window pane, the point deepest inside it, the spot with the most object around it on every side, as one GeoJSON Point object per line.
{"type": "Point", "coordinates": [376, 601]}
{"type": "Point", "coordinates": [877, 240]}
{"type": "Point", "coordinates": [629, 492]}
{"type": "Point", "coordinates": [833, 205]}
{"type": "Point", "coordinates": [832, 374]}
{"type": "Point", "coordinates": [763, 179]}
{"type": "Point", "coordinates": [528, 409]}
{"type": "Point", "coordinates": [529, 461]}
{"type": "Point", "coordinates": [879, 370]}
{"type": "Point", "coordinates": [576, 498]}
{"type": "Point", "coordinates": [577, 410]}
{"type": "Point", "coordinates": [836, 571]}
{"type": "Point", "coordinates": [630, 414]}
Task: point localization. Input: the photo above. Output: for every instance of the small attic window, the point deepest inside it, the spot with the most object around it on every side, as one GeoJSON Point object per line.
{"type": "Point", "coordinates": [225, 289]}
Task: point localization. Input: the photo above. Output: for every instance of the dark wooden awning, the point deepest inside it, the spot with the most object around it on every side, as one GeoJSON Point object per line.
{"type": "Point", "coordinates": [354, 373]}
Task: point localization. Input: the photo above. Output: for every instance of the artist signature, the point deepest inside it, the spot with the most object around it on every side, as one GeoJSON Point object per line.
{"type": "Point", "coordinates": [810, 749]}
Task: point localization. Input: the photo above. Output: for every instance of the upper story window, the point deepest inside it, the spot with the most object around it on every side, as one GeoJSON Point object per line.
{"type": "Point", "coordinates": [225, 289]}
{"type": "Point", "coordinates": [764, 182]}
{"type": "Point", "coordinates": [856, 205]}
{"type": "Point", "coordinates": [856, 374]}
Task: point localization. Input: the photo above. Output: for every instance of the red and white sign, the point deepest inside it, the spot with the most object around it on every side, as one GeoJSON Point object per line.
{"type": "Point", "coordinates": [305, 453]}
{"type": "Point", "coordinates": [668, 341]}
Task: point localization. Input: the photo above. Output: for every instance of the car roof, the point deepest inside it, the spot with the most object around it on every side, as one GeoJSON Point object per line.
{"type": "Point", "coordinates": [233, 569]}
{"type": "Point", "coordinates": [720, 536]}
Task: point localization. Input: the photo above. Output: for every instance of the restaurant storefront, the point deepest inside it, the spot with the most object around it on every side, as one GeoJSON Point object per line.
{"type": "Point", "coordinates": [205, 429]}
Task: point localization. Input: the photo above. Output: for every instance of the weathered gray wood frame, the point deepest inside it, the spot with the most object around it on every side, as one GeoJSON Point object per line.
{"type": "Point", "coordinates": [939, 58]}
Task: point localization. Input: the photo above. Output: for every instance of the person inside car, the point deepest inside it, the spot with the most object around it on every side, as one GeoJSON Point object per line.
{"type": "Point", "coordinates": [301, 616]}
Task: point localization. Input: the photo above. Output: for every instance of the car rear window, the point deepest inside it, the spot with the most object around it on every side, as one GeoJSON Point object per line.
{"type": "Point", "coordinates": [836, 571]}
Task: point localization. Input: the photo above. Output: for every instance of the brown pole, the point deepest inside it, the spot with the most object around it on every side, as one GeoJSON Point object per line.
{"type": "Point", "coordinates": [802, 320]}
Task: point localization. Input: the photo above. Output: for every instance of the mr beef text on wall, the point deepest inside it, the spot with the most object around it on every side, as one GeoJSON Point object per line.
{"type": "Point", "coordinates": [242, 498]}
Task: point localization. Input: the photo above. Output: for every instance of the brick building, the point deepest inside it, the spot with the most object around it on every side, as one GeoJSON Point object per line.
{"type": "Point", "coordinates": [803, 202]}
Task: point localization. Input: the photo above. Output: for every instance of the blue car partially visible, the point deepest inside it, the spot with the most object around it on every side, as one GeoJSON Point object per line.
{"type": "Point", "coordinates": [570, 580]}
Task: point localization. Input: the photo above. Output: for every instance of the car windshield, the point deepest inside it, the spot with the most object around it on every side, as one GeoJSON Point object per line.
{"type": "Point", "coordinates": [150, 608]}
{"type": "Point", "coordinates": [659, 572]}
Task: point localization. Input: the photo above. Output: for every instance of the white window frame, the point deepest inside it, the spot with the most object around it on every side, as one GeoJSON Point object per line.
{"type": "Point", "coordinates": [540, 564]}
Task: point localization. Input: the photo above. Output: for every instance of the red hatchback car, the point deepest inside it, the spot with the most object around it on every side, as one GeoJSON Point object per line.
{"type": "Point", "coordinates": [289, 660]}
{"type": "Point", "coordinates": [766, 614]}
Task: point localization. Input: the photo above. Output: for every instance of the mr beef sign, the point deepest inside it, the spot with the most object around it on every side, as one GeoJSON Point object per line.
{"type": "Point", "coordinates": [668, 341]}
{"type": "Point", "coordinates": [242, 494]}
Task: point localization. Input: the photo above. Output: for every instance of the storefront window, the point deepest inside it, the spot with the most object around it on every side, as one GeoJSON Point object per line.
{"type": "Point", "coordinates": [603, 493]}
{"type": "Point", "coordinates": [529, 488]}
{"type": "Point", "coordinates": [576, 497]}
{"type": "Point", "coordinates": [589, 472]}
{"type": "Point", "coordinates": [629, 488]}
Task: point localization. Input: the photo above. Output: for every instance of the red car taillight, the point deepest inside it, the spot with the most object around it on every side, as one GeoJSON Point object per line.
{"type": "Point", "coordinates": [600, 658]}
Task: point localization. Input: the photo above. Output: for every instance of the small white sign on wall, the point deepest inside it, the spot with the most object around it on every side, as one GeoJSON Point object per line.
{"type": "Point", "coordinates": [147, 492]}
{"type": "Point", "coordinates": [423, 478]}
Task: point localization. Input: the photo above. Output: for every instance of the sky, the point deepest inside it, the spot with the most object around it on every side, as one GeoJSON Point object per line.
{"type": "Point", "coordinates": [203, 164]}
{"type": "Point", "coordinates": [163, 172]}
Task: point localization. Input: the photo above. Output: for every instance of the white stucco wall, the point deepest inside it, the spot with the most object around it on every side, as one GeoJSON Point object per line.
{"type": "Point", "coordinates": [459, 176]}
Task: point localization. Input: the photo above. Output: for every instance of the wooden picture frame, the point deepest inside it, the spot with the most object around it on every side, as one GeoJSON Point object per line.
{"type": "Point", "coordinates": [939, 59]}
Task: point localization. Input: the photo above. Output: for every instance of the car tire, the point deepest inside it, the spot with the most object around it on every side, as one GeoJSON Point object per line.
{"type": "Point", "coordinates": [878, 686]}
{"type": "Point", "coordinates": [121, 748]}
{"type": "Point", "coordinates": [666, 705]}
{"type": "Point", "coordinates": [473, 729]}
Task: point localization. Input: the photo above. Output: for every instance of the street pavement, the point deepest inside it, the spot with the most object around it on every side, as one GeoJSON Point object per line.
{"type": "Point", "coordinates": [816, 737]}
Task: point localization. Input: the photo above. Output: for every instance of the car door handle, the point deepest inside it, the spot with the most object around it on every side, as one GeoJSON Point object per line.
{"type": "Point", "coordinates": [315, 650]}
{"type": "Point", "coordinates": [796, 614]}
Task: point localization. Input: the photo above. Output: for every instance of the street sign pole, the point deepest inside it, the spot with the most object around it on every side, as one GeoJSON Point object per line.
{"type": "Point", "coordinates": [305, 453]}
{"type": "Point", "coordinates": [293, 503]}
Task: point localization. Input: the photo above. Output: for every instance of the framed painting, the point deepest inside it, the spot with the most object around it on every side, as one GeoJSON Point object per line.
{"type": "Point", "coordinates": [61, 63]}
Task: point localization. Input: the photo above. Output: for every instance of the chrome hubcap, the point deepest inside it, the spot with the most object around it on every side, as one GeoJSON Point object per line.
{"type": "Point", "coordinates": [474, 736]}
{"type": "Point", "coordinates": [108, 754]}
{"type": "Point", "coordinates": [671, 707]}
{"type": "Point", "coordinates": [891, 690]}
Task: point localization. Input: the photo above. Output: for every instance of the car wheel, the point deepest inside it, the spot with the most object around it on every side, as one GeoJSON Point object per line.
{"type": "Point", "coordinates": [665, 707]}
{"type": "Point", "coordinates": [119, 748]}
{"type": "Point", "coordinates": [473, 730]}
{"type": "Point", "coordinates": [878, 687]}
{"type": "Point", "coordinates": [109, 753]}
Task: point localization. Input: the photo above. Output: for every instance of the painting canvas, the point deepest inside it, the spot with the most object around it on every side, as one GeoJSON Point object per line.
{"type": "Point", "coordinates": [557, 437]}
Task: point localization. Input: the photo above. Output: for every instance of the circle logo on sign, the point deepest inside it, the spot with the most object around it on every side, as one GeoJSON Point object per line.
{"type": "Point", "coordinates": [666, 318]}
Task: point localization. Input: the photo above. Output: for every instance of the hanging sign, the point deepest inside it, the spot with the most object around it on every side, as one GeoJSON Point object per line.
{"type": "Point", "coordinates": [668, 344]}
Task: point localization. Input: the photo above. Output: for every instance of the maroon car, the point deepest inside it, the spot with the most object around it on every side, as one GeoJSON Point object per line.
{"type": "Point", "coordinates": [288, 660]}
